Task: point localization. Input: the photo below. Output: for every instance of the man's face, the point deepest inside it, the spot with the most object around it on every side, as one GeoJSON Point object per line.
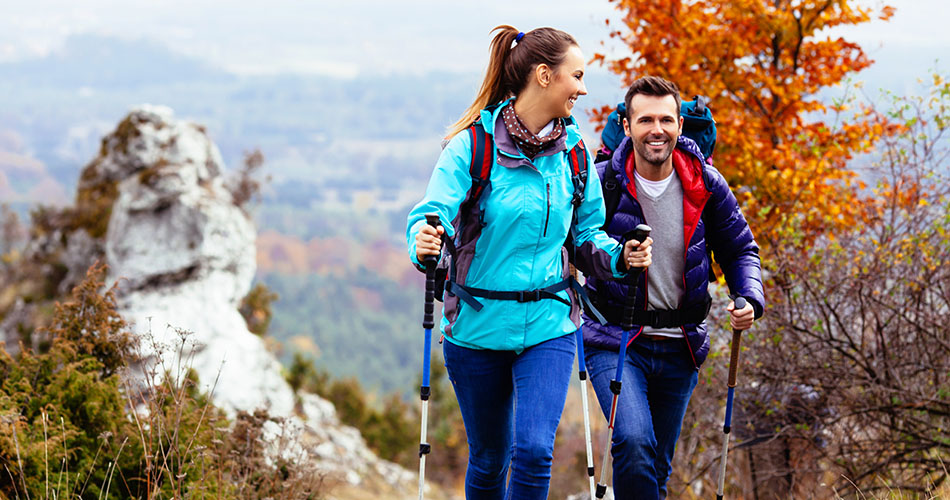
{"type": "Point", "coordinates": [654, 124]}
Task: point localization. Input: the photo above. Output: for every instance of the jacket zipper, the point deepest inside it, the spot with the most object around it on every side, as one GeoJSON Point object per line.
{"type": "Point", "coordinates": [547, 215]}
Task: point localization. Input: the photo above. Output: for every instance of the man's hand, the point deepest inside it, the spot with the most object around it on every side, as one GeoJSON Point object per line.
{"type": "Point", "coordinates": [637, 254]}
{"type": "Point", "coordinates": [741, 319]}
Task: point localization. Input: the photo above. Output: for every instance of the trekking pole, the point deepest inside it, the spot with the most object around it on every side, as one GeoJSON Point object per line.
{"type": "Point", "coordinates": [582, 375]}
{"type": "Point", "coordinates": [727, 425]}
{"type": "Point", "coordinates": [430, 262]}
{"type": "Point", "coordinates": [639, 233]}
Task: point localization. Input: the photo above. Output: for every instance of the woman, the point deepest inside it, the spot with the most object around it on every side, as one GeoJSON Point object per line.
{"type": "Point", "coordinates": [510, 343]}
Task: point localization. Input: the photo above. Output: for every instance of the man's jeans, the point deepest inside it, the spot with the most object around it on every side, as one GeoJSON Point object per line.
{"type": "Point", "coordinates": [658, 379]}
{"type": "Point", "coordinates": [511, 405]}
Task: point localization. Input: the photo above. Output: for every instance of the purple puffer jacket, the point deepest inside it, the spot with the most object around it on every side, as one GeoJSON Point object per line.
{"type": "Point", "coordinates": [727, 236]}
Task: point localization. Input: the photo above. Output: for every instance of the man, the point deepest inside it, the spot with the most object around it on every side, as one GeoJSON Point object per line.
{"type": "Point", "coordinates": [666, 184]}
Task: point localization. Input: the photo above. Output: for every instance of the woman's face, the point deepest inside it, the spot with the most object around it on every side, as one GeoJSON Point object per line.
{"type": "Point", "coordinates": [567, 84]}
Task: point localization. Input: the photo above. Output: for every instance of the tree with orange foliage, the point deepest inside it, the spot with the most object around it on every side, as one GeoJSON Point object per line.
{"type": "Point", "coordinates": [764, 65]}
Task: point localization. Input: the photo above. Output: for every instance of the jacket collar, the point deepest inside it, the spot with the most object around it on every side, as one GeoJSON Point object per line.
{"type": "Point", "coordinates": [506, 145]}
{"type": "Point", "coordinates": [687, 163]}
{"type": "Point", "coordinates": [689, 168]}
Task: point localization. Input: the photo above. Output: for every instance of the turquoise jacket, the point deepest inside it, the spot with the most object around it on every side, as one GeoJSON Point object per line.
{"type": "Point", "coordinates": [527, 214]}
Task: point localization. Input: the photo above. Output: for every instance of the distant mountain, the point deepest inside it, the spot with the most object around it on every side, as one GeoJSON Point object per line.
{"type": "Point", "coordinates": [24, 179]}
{"type": "Point", "coordinates": [310, 127]}
{"type": "Point", "coordinates": [107, 62]}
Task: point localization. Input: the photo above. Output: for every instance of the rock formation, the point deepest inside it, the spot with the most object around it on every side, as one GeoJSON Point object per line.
{"type": "Point", "coordinates": [182, 254]}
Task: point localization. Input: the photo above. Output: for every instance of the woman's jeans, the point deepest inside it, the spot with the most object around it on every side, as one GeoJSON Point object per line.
{"type": "Point", "coordinates": [658, 379]}
{"type": "Point", "coordinates": [511, 405]}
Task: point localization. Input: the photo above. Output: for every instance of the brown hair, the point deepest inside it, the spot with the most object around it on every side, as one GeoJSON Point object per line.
{"type": "Point", "coordinates": [652, 86]}
{"type": "Point", "coordinates": [509, 67]}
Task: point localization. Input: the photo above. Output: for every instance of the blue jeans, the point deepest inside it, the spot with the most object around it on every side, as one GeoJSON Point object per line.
{"type": "Point", "coordinates": [658, 379]}
{"type": "Point", "coordinates": [511, 405]}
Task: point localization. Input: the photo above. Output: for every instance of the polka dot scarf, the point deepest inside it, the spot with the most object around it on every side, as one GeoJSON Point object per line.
{"type": "Point", "coordinates": [529, 143]}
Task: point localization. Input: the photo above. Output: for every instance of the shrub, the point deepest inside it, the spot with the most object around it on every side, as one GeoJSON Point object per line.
{"type": "Point", "coordinates": [70, 427]}
{"type": "Point", "coordinates": [256, 309]}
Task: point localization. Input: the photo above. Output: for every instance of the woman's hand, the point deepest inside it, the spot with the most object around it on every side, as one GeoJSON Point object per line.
{"type": "Point", "coordinates": [428, 241]}
{"type": "Point", "coordinates": [637, 254]}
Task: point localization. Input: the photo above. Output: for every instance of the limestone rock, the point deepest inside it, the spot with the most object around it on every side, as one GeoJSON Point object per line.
{"type": "Point", "coordinates": [183, 256]}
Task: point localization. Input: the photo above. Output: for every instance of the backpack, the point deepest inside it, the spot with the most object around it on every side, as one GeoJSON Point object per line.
{"type": "Point", "coordinates": [698, 125]}
{"type": "Point", "coordinates": [470, 212]}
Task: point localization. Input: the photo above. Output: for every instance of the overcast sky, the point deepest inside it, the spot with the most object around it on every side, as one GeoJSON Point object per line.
{"type": "Point", "coordinates": [367, 36]}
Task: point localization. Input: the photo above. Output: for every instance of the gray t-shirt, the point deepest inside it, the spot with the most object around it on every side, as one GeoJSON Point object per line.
{"type": "Point", "coordinates": [664, 214]}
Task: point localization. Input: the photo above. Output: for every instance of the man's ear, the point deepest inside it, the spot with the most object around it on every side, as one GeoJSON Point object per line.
{"type": "Point", "coordinates": [626, 127]}
{"type": "Point", "coordinates": [543, 74]}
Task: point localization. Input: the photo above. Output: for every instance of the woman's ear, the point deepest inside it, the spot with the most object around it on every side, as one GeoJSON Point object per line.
{"type": "Point", "coordinates": [543, 74]}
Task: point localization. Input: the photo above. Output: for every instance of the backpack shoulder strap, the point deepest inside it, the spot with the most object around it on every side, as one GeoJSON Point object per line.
{"type": "Point", "coordinates": [470, 212]}
{"type": "Point", "coordinates": [579, 175]}
{"type": "Point", "coordinates": [611, 189]}
{"type": "Point", "coordinates": [578, 160]}
{"type": "Point", "coordinates": [480, 167]}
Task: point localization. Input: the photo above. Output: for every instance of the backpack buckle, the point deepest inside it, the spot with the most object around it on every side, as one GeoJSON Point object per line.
{"type": "Point", "coordinates": [578, 199]}
{"type": "Point", "coordinates": [529, 296]}
{"type": "Point", "coordinates": [663, 319]}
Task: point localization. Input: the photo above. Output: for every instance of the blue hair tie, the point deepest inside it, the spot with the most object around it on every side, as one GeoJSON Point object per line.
{"type": "Point", "coordinates": [519, 37]}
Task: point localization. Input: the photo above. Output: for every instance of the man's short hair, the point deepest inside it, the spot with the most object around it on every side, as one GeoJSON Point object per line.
{"type": "Point", "coordinates": [652, 86]}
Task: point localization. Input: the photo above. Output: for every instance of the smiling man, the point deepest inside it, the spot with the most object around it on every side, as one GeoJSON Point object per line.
{"type": "Point", "coordinates": [665, 183]}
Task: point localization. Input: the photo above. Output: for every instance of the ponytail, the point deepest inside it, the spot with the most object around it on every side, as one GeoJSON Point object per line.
{"type": "Point", "coordinates": [509, 67]}
{"type": "Point", "coordinates": [492, 89]}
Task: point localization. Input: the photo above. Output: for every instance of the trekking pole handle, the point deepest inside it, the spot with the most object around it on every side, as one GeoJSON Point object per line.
{"type": "Point", "coordinates": [640, 234]}
{"type": "Point", "coordinates": [740, 303]}
{"type": "Point", "coordinates": [430, 262]}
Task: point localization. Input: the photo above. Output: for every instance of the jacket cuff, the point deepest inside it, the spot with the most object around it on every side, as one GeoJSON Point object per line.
{"type": "Point", "coordinates": [620, 271]}
{"type": "Point", "coordinates": [759, 309]}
